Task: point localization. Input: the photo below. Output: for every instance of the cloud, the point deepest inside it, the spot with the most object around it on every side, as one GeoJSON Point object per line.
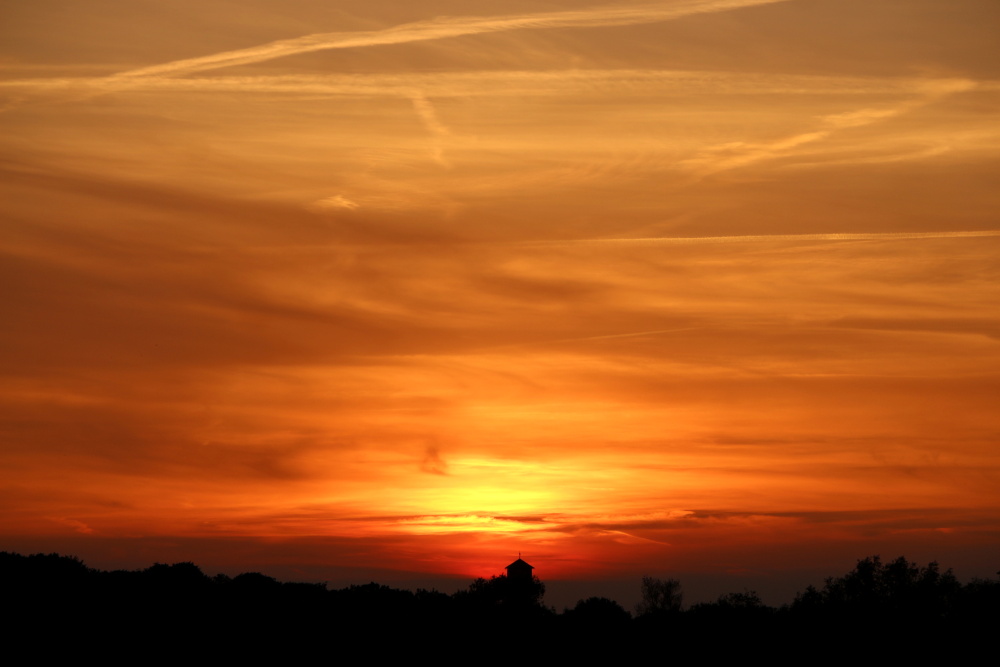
{"type": "Point", "coordinates": [445, 27]}
{"type": "Point", "coordinates": [433, 463]}
{"type": "Point", "coordinates": [765, 238]}
{"type": "Point", "coordinates": [427, 114]}
{"type": "Point", "coordinates": [734, 155]}
{"type": "Point", "coordinates": [499, 83]}
{"type": "Point", "coordinates": [335, 202]}
{"type": "Point", "coordinates": [77, 526]}
{"type": "Point", "coordinates": [962, 326]}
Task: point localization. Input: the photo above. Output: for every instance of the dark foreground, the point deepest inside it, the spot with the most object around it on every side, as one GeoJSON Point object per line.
{"type": "Point", "coordinates": [59, 608]}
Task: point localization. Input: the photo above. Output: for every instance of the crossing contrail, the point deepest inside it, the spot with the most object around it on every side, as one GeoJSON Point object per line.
{"type": "Point", "coordinates": [861, 236]}
{"type": "Point", "coordinates": [444, 27]}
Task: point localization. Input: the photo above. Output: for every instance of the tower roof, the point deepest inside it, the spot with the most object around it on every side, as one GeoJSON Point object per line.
{"type": "Point", "coordinates": [519, 565]}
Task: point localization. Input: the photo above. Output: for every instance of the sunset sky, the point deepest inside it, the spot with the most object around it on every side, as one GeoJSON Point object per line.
{"type": "Point", "coordinates": [341, 290]}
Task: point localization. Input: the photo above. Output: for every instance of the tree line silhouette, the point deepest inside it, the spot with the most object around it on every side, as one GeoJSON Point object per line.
{"type": "Point", "coordinates": [895, 607]}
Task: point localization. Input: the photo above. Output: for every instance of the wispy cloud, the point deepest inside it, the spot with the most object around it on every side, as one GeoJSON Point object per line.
{"type": "Point", "coordinates": [424, 91]}
{"type": "Point", "coordinates": [762, 238]}
{"type": "Point", "coordinates": [445, 27]}
{"type": "Point", "coordinates": [501, 83]}
{"type": "Point", "coordinates": [733, 155]}
{"type": "Point", "coordinates": [428, 116]}
{"type": "Point", "coordinates": [433, 463]}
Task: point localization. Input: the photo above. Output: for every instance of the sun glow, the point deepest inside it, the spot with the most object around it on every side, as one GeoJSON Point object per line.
{"type": "Point", "coordinates": [637, 286]}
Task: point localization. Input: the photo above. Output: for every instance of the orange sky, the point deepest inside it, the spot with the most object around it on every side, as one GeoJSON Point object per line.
{"type": "Point", "coordinates": [681, 286]}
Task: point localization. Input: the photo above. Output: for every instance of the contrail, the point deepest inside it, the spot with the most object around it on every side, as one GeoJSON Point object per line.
{"type": "Point", "coordinates": [693, 240]}
{"type": "Point", "coordinates": [497, 83]}
{"type": "Point", "coordinates": [741, 154]}
{"type": "Point", "coordinates": [445, 27]}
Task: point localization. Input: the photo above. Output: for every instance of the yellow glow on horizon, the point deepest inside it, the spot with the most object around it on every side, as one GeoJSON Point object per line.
{"type": "Point", "coordinates": [668, 282]}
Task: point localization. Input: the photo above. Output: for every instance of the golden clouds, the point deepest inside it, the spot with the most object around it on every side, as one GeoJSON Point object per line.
{"type": "Point", "coordinates": [566, 277]}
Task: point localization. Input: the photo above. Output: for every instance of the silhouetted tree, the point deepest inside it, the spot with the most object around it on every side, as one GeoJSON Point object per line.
{"type": "Point", "coordinates": [747, 601]}
{"type": "Point", "coordinates": [899, 589]}
{"type": "Point", "coordinates": [598, 611]}
{"type": "Point", "coordinates": [659, 596]}
{"type": "Point", "coordinates": [897, 608]}
{"type": "Point", "coordinates": [503, 592]}
{"type": "Point", "coordinates": [740, 613]}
